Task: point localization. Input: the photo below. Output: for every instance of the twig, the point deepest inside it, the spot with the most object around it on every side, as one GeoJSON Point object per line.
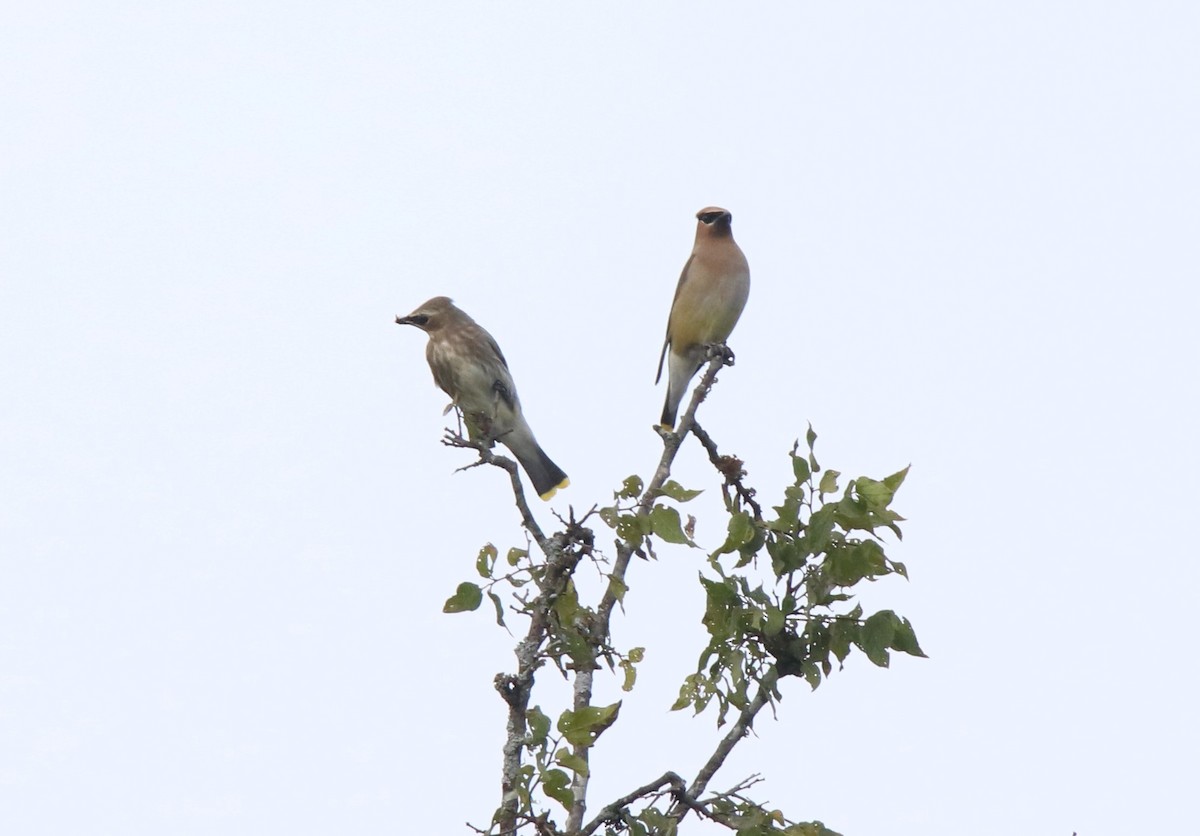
{"type": "Point", "coordinates": [731, 468]}
{"type": "Point", "coordinates": [486, 456]}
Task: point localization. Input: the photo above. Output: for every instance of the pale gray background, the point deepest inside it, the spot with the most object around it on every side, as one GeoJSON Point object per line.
{"type": "Point", "coordinates": [227, 524]}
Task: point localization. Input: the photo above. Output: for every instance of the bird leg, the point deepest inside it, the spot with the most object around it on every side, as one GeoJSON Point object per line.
{"type": "Point", "coordinates": [479, 428]}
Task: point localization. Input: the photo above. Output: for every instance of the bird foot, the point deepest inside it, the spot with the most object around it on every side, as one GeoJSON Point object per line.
{"type": "Point", "coordinates": [722, 351]}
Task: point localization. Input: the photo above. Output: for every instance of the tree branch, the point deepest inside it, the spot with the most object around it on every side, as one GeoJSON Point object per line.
{"type": "Point", "coordinates": [561, 560]}
{"type": "Point", "coordinates": [486, 456]}
{"type": "Point", "coordinates": [613, 810]}
{"type": "Point", "coordinates": [625, 551]}
{"type": "Point", "coordinates": [735, 735]}
{"type": "Point", "coordinates": [731, 468]}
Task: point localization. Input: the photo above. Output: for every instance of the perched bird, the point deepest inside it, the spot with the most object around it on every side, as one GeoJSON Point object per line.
{"type": "Point", "coordinates": [709, 298]}
{"type": "Point", "coordinates": [468, 366]}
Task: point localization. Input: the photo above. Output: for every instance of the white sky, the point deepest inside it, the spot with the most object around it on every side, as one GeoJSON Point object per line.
{"type": "Point", "coordinates": [227, 525]}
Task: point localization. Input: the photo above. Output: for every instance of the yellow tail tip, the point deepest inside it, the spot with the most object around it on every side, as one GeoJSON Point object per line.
{"type": "Point", "coordinates": [565, 483]}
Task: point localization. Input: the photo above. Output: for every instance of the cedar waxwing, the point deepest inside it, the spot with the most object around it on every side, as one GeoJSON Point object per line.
{"type": "Point", "coordinates": [468, 366]}
{"type": "Point", "coordinates": [709, 298]}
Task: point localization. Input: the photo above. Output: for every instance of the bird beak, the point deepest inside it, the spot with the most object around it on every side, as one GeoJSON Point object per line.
{"type": "Point", "coordinates": [404, 320]}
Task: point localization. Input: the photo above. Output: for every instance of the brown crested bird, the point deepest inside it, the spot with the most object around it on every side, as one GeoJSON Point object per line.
{"type": "Point", "coordinates": [468, 366]}
{"type": "Point", "coordinates": [709, 298]}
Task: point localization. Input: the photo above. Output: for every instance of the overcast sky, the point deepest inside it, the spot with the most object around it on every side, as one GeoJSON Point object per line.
{"type": "Point", "coordinates": [227, 525]}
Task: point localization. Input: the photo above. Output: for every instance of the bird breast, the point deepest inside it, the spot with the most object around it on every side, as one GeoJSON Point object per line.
{"type": "Point", "coordinates": [471, 380]}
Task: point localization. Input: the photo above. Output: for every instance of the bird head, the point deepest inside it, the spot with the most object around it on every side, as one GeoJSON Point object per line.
{"type": "Point", "coordinates": [431, 315]}
{"type": "Point", "coordinates": [711, 214]}
{"type": "Point", "coordinates": [714, 220]}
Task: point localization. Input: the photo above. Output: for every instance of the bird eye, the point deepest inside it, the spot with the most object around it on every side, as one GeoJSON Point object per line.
{"type": "Point", "coordinates": [418, 319]}
{"type": "Point", "coordinates": [710, 217]}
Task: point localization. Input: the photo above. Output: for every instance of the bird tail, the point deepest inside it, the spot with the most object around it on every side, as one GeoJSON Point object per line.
{"type": "Point", "coordinates": [680, 368]}
{"type": "Point", "coordinates": [670, 408]}
{"type": "Point", "coordinates": [546, 476]}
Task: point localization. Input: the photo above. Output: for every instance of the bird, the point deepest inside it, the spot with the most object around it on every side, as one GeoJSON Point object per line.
{"type": "Point", "coordinates": [468, 365]}
{"type": "Point", "coordinates": [709, 299]}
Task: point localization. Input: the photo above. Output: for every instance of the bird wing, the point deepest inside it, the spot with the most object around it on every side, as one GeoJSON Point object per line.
{"type": "Point", "coordinates": [496, 348]}
{"type": "Point", "coordinates": [666, 342]}
{"type": "Point", "coordinates": [502, 383]}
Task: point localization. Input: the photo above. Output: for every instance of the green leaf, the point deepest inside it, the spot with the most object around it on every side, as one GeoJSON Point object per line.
{"type": "Point", "coordinates": [896, 479]}
{"type": "Point", "coordinates": [678, 492]}
{"type": "Point", "coordinates": [877, 634]}
{"type": "Point", "coordinates": [751, 547]}
{"type": "Point", "coordinates": [636, 654]}
{"type": "Point", "coordinates": [878, 495]}
{"type": "Point", "coordinates": [773, 623]}
{"type": "Point", "coordinates": [467, 597]}
{"type": "Point", "coordinates": [829, 481]}
{"type": "Point", "coordinates": [689, 691]}
{"type": "Point", "coordinates": [856, 560]}
{"type": "Point", "coordinates": [499, 607]}
{"type": "Point", "coordinates": [860, 509]}
{"type": "Point", "coordinates": [723, 608]}
{"type": "Point", "coordinates": [666, 524]}
{"type": "Point", "coordinates": [905, 639]}
{"type": "Point", "coordinates": [485, 561]}
{"type": "Point", "coordinates": [521, 790]}
{"type": "Point", "coordinates": [785, 556]}
{"type": "Point", "coordinates": [610, 515]}
{"type": "Point", "coordinates": [566, 605]}
{"type": "Point", "coordinates": [812, 453]}
{"type": "Point", "coordinates": [818, 535]}
{"type": "Point", "coordinates": [514, 555]}
{"type": "Point", "coordinates": [556, 784]}
{"type": "Point", "coordinates": [581, 728]}
{"type": "Point", "coordinates": [741, 530]}
{"type": "Point", "coordinates": [632, 528]}
{"type": "Point", "coordinates": [630, 675]}
{"type": "Point", "coordinates": [658, 823]}
{"type": "Point", "coordinates": [539, 725]}
{"type": "Point", "coordinates": [631, 488]}
{"type": "Point", "coordinates": [843, 632]}
{"type": "Point", "coordinates": [788, 514]}
{"type": "Point", "coordinates": [571, 761]}
{"type": "Point", "coordinates": [809, 828]}
{"type": "Point", "coordinates": [801, 468]}
{"type": "Point", "coordinates": [618, 587]}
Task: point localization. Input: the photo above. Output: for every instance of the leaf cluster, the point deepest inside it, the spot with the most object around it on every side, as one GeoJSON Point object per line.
{"type": "Point", "coordinates": [818, 546]}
